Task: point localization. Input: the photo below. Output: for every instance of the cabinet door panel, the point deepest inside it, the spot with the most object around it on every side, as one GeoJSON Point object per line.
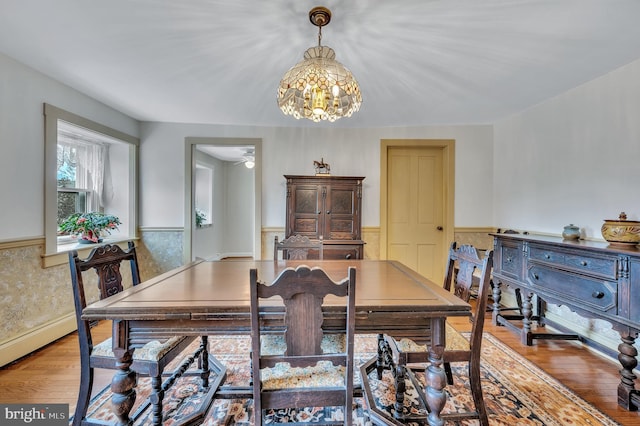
{"type": "Point", "coordinates": [342, 201]}
{"type": "Point", "coordinates": [304, 217]}
{"type": "Point", "coordinates": [307, 200]}
{"type": "Point", "coordinates": [342, 213]}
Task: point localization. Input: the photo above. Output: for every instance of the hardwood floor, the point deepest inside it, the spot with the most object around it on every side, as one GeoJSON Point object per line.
{"type": "Point", "coordinates": [51, 374]}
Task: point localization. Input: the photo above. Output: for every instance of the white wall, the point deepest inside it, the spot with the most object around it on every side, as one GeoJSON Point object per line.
{"type": "Point", "coordinates": [22, 94]}
{"type": "Point", "coordinates": [239, 210]}
{"type": "Point", "coordinates": [572, 159]}
{"type": "Point", "coordinates": [353, 152]}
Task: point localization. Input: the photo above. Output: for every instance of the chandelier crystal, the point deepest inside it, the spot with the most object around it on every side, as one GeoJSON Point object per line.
{"type": "Point", "coordinates": [319, 87]}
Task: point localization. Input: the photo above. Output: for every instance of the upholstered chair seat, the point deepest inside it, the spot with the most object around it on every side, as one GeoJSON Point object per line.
{"type": "Point", "coordinates": [274, 344]}
{"type": "Point", "coordinates": [152, 351]}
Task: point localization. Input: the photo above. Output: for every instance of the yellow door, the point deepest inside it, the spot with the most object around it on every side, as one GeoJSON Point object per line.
{"type": "Point", "coordinates": [415, 209]}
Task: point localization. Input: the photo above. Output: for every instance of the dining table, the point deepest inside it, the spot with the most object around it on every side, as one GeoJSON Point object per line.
{"type": "Point", "coordinates": [212, 298]}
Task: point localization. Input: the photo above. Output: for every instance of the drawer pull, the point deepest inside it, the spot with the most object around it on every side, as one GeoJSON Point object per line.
{"type": "Point", "coordinates": [597, 295]}
{"type": "Point", "coordinates": [547, 256]}
{"type": "Point", "coordinates": [583, 263]}
{"type": "Point", "coordinates": [535, 276]}
{"type": "Point", "coordinates": [348, 256]}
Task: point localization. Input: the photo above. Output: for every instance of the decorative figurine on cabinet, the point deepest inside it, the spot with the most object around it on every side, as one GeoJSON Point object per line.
{"type": "Point", "coordinates": [321, 167]}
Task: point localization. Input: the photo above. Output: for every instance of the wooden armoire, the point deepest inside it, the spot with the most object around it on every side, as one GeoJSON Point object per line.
{"type": "Point", "coordinates": [327, 208]}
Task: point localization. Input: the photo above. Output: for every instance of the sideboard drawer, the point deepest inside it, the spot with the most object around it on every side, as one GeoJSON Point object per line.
{"type": "Point", "coordinates": [590, 293]}
{"type": "Point", "coordinates": [544, 254]}
{"type": "Point", "coordinates": [605, 267]}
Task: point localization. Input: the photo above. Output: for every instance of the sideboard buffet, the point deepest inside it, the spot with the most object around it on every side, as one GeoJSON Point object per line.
{"type": "Point", "coordinates": [327, 208]}
{"type": "Point", "coordinates": [593, 279]}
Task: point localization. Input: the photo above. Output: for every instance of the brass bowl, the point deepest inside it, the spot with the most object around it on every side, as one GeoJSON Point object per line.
{"type": "Point", "coordinates": [621, 232]}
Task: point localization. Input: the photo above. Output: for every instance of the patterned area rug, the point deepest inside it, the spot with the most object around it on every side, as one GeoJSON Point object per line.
{"type": "Point", "coordinates": [516, 392]}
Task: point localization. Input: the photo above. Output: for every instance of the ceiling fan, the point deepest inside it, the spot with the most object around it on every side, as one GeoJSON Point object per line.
{"type": "Point", "coordinates": [249, 159]}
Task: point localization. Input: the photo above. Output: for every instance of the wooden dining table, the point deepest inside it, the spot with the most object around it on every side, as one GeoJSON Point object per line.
{"type": "Point", "coordinates": [212, 298]}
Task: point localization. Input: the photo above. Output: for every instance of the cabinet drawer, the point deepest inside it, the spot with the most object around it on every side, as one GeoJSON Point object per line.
{"type": "Point", "coordinates": [586, 292]}
{"type": "Point", "coordinates": [340, 252]}
{"type": "Point", "coordinates": [591, 265]}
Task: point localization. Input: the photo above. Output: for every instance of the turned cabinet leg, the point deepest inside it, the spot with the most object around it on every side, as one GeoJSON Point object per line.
{"type": "Point", "coordinates": [628, 359]}
{"type": "Point", "coordinates": [497, 297]}
{"type": "Point", "coordinates": [527, 311]}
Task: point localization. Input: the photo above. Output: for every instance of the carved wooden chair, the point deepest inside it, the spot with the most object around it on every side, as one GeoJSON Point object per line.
{"type": "Point", "coordinates": [149, 359]}
{"type": "Point", "coordinates": [296, 247]}
{"type": "Point", "coordinates": [397, 354]}
{"type": "Point", "coordinates": [318, 366]}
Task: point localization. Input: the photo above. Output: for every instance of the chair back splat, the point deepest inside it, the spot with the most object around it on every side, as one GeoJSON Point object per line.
{"type": "Point", "coordinates": [318, 369]}
{"type": "Point", "coordinates": [296, 247]}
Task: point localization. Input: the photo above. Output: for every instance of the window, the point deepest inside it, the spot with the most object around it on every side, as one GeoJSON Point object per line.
{"type": "Point", "coordinates": [203, 181]}
{"type": "Point", "coordinates": [88, 168]}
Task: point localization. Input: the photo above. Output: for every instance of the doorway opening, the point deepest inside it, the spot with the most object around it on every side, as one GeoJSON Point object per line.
{"type": "Point", "coordinates": [223, 187]}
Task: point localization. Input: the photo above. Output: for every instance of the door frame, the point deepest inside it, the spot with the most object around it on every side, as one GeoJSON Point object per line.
{"type": "Point", "coordinates": [448, 181]}
{"type": "Point", "coordinates": [189, 199]}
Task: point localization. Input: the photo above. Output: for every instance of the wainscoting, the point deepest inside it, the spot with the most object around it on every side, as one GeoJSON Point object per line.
{"type": "Point", "coordinates": [36, 307]}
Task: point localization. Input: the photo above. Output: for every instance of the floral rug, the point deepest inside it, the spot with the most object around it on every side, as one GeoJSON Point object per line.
{"type": "Point", "coordinates": [516, 392]}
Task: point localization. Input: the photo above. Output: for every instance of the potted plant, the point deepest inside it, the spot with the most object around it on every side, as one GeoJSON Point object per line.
{"type": "Point", "coordinates": [90, 227]}
{"type": "Point", "coordinates": [201, 217]}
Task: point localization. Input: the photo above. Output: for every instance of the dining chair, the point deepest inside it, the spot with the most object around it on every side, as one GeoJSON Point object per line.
{"type": "Point", "coordinates": [149, 359]}
{"type": "Point", "coordinates": [294, 362]}
{"type": "Point", "coordinates": [296, 247]}
{"type": "Point", "coordinates": [396, 354]}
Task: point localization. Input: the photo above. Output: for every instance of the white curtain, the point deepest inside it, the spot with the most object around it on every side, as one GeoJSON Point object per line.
{"type": "Point", "coordinates": [92, 163]}
{"type": "Point", "coordinates": [90, 172]}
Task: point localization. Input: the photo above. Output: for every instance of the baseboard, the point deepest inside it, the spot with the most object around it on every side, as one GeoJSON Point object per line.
{"type": "Point", "coordinates": [20, 346]}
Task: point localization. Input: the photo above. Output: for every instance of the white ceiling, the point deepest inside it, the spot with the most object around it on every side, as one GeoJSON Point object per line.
{"type": "Point", "coordinates": [233, 154]}
{"type": "Point", "coordinates": [419, 62]}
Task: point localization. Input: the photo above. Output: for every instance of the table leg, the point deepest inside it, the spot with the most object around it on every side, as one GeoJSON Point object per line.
{"type": "Point", "coordinates": [124, 380]}
{"type": "Point", "coordinates": [436, 379]}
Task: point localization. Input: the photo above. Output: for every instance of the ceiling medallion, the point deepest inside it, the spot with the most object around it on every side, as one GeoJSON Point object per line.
{"type": "Point", "coordinates": [319, 87]}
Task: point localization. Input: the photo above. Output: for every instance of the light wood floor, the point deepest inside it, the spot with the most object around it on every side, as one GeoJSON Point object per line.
{"type": "Point", "coordinates": [51, 374]}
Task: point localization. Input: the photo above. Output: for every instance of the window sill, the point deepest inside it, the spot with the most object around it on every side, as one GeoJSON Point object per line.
{"type": "Point", "coordinates": [62, 256]}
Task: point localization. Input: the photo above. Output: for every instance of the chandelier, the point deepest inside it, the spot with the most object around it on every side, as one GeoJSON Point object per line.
{"type": "Point", "coordinates": [319, 87]}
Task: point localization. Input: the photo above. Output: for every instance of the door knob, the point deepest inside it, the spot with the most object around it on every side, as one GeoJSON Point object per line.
{"type": "Point", "coordinates": [439, 228]}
